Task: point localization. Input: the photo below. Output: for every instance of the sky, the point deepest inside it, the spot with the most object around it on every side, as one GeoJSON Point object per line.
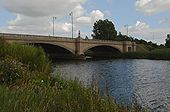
{"type": "Point", "coordinates": [146, 19]}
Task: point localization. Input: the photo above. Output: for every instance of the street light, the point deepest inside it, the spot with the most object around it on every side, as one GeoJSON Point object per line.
{"type": "Point", "coordinates": [127, 29]}
{"type": "Point", "coordinates": [71, 14]}
{"type": "Point", "coordinates": [54, 18]}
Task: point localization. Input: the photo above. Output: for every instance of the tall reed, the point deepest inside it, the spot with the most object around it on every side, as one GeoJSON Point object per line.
{"type": "Point", "coordinates": [57, 95]}
{"type": "Point", "coordinates": [30, 55]}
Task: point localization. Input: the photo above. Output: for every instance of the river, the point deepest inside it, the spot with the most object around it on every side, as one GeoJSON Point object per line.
{"type": "Point", "coordinates": [146, 82]}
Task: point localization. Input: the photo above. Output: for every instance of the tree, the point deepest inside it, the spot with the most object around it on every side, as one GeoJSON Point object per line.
{"type": "Point", "coordinates": [167, 44]}
{"type": "Point", "coordinates": [104, 30]}
{"type": "Point", "coordinates": [121, 37]}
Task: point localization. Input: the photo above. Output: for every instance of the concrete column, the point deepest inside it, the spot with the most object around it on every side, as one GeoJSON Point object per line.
{"type": "Point", "coordinates": [124, 47]}
{"type": "Point", "coordinates": [134, 46]}
{"type": "Point", "coordinates": [78, 50]}
{"type": "Point", "coordinates": [127, 44]}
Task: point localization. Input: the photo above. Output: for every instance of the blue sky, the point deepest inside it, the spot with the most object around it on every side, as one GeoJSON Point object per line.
{"type": "Point", "coordinates": [147, 19]}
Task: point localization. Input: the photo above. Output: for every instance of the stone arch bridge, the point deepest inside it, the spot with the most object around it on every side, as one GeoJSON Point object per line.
{"type": "Point", "coordinates": [77, 46]}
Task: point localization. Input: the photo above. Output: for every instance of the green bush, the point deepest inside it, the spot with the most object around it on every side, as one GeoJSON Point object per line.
{"type": "Point", "coordinates": [134, 55]}
{"type": "Point", "coordinates": [163, 54]}
{"type": "Point", "coordinates": [34, 57]}
{"type": "Point", "coordinates": [12, 70]}
{"type": "Point", "coordinates": [21, 63]}
{"type": "Point", "coordinates": [160, 54]}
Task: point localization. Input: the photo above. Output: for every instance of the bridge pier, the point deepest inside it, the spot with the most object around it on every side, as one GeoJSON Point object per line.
{"type": "Point", "coordinates": [80, 57]}
{"type": "Point", "coordinates": [129, 46]}
{"type": "Point", "coordinates": [79, 54]}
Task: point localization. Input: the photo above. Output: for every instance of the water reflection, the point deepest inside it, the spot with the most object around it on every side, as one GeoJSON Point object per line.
{"type": "Point", "coordinates": [148, 80]}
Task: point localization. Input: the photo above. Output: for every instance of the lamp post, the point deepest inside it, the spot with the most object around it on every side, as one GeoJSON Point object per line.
{"type": "Point", "coordinates": [71, 14]}
{"type": "Point", "coordinates": [127, 29]}
{"type": "Point", "coordinates": [54, 18]}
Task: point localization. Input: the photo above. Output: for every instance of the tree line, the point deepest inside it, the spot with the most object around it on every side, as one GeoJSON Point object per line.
{"type": "Point", "coordinates": [105, 30]}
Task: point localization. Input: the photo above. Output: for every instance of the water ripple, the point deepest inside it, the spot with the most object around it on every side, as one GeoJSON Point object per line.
{"type": "Point", "coordinates": [148, 81]}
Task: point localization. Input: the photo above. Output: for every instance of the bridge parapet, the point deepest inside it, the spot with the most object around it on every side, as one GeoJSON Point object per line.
{"type": "Point", "coordinates": [96, 40]}
{"type": "Point", "coordinates": [8, 35]}
{"type": "Point", "coordinates": [34, 37]}
{"type": "Point", "coordinates": [107, 41]}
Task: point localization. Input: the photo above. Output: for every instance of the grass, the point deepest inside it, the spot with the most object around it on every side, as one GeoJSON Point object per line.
{"type": "Point", "coordinates": [63, 96]}
{"type": "Point", "coordinates": [32, 56]}
{"type": "Point", "coordinates": [26, 85]}
{"type": "Point", "coordinates": [161, 54]}
{"type": "Point", "coordinates": [147, 52]}
{"type": "Point", "coordinates": [143, 48]}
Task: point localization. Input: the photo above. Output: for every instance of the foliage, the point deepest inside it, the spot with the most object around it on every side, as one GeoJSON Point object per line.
{"type": "Point", "coordinates": [104, 30]}
{"type": "Point", "coordinates": [21, 63]}
{"type": "Point", "coordinates": [15, 73]}
{"type": "Point", "coordinates": [57, 95]}
{"type": "Point", "coordinates": [163, 54]}
{"type": "Point", "coordinates": [12, 70]}
{"type": "Point", "coordinates": [160, 54]}
{"type": "Point", "coordinates": [34, 57]}
{"type": "Point", "coordinates": [121, 37]}
{"type": "Point", "coordinates": [167, 44]}
{"type": "Point", "coordinates": [134, 55]}
{"type": "Point", "coordinates": [149, 45]}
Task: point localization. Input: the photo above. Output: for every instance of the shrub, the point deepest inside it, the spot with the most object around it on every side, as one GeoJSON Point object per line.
{"type": "Point", "coordinates": [34, 57]}
{"type": "Point", "coordinates": [160, 54]}
{"type": "Point", "coordinates": [12, 70]}
{"type": "Point", "coordinates": [134, 55]}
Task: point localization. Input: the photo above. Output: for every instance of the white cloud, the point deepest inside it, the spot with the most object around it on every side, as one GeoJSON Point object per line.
{"type": "Point", "coordinates": [78, 11]}
{"type": "Point", "coordinates": [140, 26]}
{"type": "Point", "coordinates": [35, 16]}
{"type": "Point", "coordinates": [84, 20]}
{"type": "Point", "coordinates": [24, 24]}
{"type": "Point", "coordinates": [142, 30]}
{"type": "Point", "coordinates": [151, 7]}
{"type": "Point", "coordinates": [65, 27]}
{"type": "Point", "coordinates": [96, 15]}
{"type": "Point", "coordinates": [108, 13]}
{"type": "Point", "coordinates": [39, 8]}
{"type": "Point", "coordinates": [90, 20]}
{"type": "Point", "coordinates": [165, 21]}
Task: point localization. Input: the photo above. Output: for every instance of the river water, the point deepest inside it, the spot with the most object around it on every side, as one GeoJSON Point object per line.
{"type": "Point", "coordinates": [145, 81]}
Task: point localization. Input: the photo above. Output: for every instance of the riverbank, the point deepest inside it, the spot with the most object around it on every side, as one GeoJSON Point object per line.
{"type": "Point", "coordinates": [26, 84]}
{"type": "Point", "coordinates": [157, 54]}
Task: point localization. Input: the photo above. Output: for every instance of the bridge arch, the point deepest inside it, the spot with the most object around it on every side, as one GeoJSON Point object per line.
{"type": "Point", "coordinates": [101, 51]}
{"type": "Point", "coordinates": [90, 47]}
{"type": "Point", "coordinates": [55, 51]}
{"type": "Point", "coordinates": [54, 45]}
